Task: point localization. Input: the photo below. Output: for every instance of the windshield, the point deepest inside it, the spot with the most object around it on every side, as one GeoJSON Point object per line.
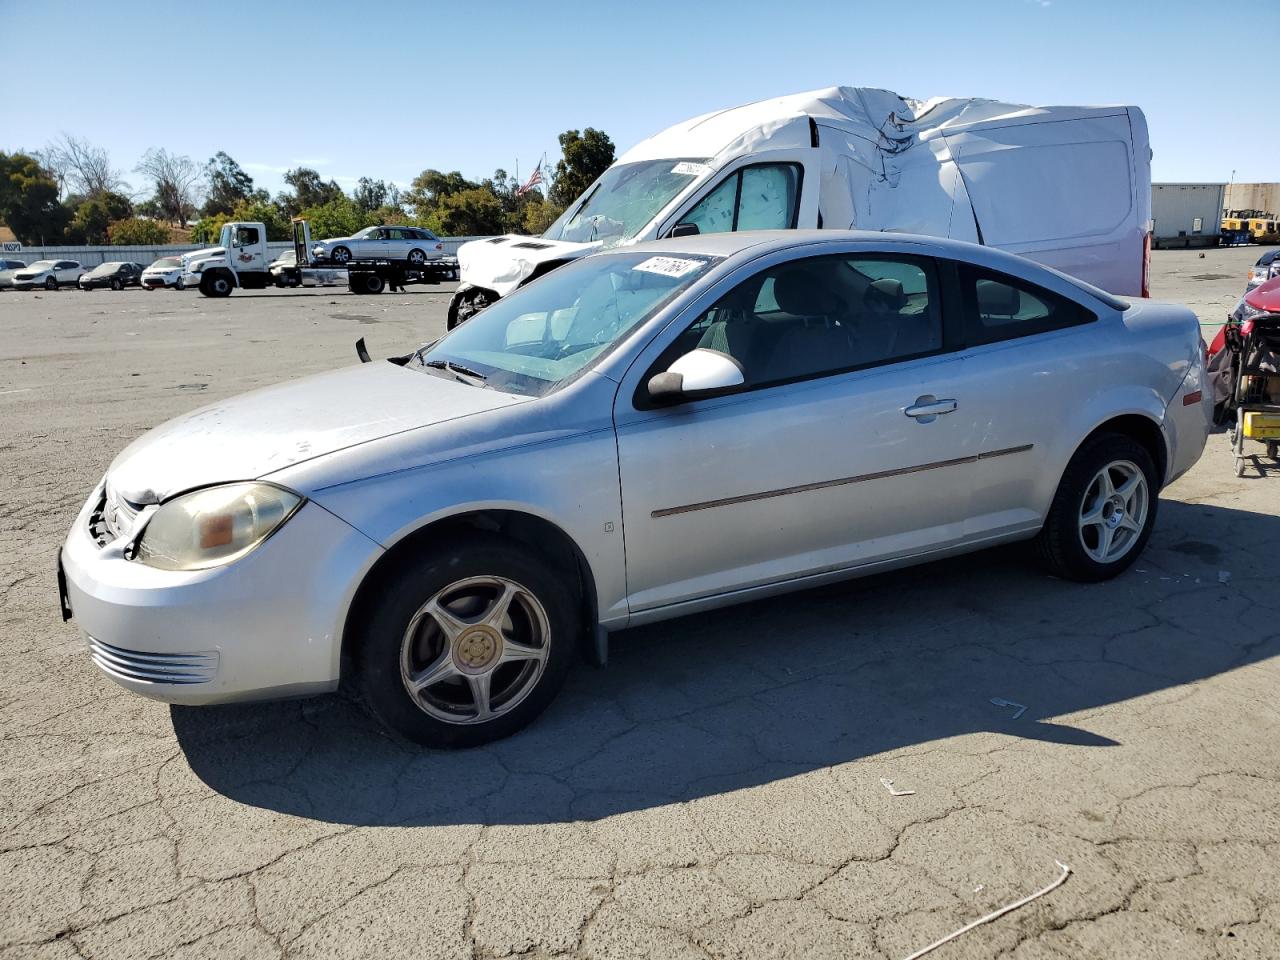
{"type": "Point", "coordinates": [623, 201]}
{"type": "Point", "coordinates": [42, 264]}
{"type": "Point", "coordinates": [166, 263]}
{"type": "Point", "coordinates": [364, 233]}
{"type": "Point", "coordinates": [545, 333]}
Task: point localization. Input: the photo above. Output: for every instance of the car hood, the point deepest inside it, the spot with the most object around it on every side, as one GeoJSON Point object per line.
{"type": "Point", "coordinates": [325, 243]}
{"type": "Point", "coordinates": [28, 273]}
{"type": "Point", "coordinates": [204, 254]}
{"type": "Point", "coordinates": [502, 263]}
{"type": "Point", "coordinates": [258, 433]}
{"type": "Point", "coordinates": [1265, 296]}
{"type": "Point", "coordinates": [154, 270]}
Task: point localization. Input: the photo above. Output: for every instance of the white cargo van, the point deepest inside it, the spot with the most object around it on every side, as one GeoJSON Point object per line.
{"type": "Point", "coordinates": [1069, 187]}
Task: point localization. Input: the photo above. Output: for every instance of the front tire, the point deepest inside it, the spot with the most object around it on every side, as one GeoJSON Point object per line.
{"type": "Point", "coordinates": [216, 285]}
{"type": "Point", "coordinates": [1104, 510]}
{"type": "Point", "coordinates": [468, 645]}
{"type": "Point", "coordinates": [117, 285]}
{"type": "Point", "coordinates": [180, 284]}
{"type": "Point", "coordinates": [51, 283]}
{"type": "Point", "coordinates": [340, 255]}
{"type": "Point", "coordinates": [466, 305]}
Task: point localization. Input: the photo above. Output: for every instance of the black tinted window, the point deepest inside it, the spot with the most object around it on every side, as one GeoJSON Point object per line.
{"type": "Point", "coordinates": [1000, 307]}
{"type": "Point", "coordinates": [821, 316]}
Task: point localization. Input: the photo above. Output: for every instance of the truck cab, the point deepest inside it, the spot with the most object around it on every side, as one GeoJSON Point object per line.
{"type": "Point", "coordinates": [239, 260]}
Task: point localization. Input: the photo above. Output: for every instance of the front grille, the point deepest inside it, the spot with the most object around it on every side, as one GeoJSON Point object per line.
{"type": "Point", "coordinates": [178, 668]}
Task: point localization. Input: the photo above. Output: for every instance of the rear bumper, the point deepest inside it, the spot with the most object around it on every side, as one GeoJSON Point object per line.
{"type": "Point", "coordinates": [266, 626]}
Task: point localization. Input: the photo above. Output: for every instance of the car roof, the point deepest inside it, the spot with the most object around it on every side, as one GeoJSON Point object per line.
{"type": "Point", "coordinates": [752, 244]}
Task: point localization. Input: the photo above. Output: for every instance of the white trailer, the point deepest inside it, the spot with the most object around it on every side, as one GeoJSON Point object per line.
{"type": "Point", "coordinates": [1186, 214]}
{"type": "Point", "coordinates": [1067, 186]}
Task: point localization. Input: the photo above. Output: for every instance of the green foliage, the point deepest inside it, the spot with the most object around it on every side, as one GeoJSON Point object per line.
{"type": "Point", "coordinates": [308, 191]}
{"type": "Point", "coordinates": [94, 216]}
{"type": "Point", "coordinates": [228, 185]}
{"type": "Point", "coordinates": [136, 230]}
{"type": "Point", "coordinates": [538, 215]}
{"type": "Point", "coordinates": [474, 212]}
{"type": "Point", "coordinates": [29, 200]}
{"type": "Point", "coordinates": [585, 158]}
{"type": "Point", "coordinates": [340, 217]}
{"type": "Point", "coordinates": [255, 209]}
{"type": "Point", "coordinates": [430, 187]}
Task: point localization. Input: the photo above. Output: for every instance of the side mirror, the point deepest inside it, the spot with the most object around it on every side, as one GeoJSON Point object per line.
{"type": "Point", "coordinates": [699, 373]}
{"type": "Point", "coordinates": [685, 230]}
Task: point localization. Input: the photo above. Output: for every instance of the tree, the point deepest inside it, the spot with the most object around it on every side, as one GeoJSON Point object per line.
{"type": "Point", "coordinates": [538, 215]}
{"type": "Point", "coordinates": [256, 209]}
{"type": "Point", "coordinates": [308, 191]}
{"type": "Point", "coordinates": [468, 213]}
{"type": "Point", "coordinates": [175, 178]}
{"type": "Point", "coordinates": [340, 217]}
{"type": "Point", "coordinates": [80, 167]}
{"type": "Point", "coordinates": [430, 187]}
{"type": "Point", "coordinates": [584, 158]}
{"type": "Point", "coordinates": [94, 216]}
{"type": "Point", "coordinates": [29, 199]}
{"type": "Point", "coordinates": [371, 194]}
{"type": "Point", "coordinates": [136, 231]}
{"type": "Point", "coordinates": [228, 184]}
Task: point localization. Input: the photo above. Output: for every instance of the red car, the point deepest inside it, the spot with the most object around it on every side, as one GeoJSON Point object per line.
{"type": "Point", "coordinates": [1264, 298]}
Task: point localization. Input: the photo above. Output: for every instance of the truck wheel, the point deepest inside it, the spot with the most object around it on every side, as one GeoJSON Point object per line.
{"type": "Point", "coordinates": [215, 286]}
{"type": "Point", "coordinates": [282, 281]}
{"type": "Point", "coordinates": [340, 255]}
{"type": "Point", "coordinates": [416, 258]}
{"type": "Point", "coordinates": [467, 644]}
{"type": "Point", "coordinates": [1103, 512]}
{"type": "Point", "coordinates": [368, 283]}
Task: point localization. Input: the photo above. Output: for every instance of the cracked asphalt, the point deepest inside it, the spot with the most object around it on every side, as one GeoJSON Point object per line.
{"type": "Point", "coordinates": [714, 792]}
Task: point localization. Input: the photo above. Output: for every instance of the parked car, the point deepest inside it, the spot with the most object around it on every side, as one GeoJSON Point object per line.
{"type": "Point", "coordinates": [413, 244]}
{"type": "Point", "coordinates": [282, 272]}
{"type": "Point", "coordinates": [115, 274]}
{"type": "Point", "coordinates": [1267, 268]}
{"type": "Point", "coordinates": [49, 274]}
{"type": "Point", "coordinates": [7, 269]}
{"type": "Point", "coordinates": [165, 272]}
{"type": "Point", "coordinates": [759, 411]}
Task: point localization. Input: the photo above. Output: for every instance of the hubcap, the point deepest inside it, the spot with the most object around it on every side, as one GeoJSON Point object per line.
{"type": "Point", "coordinates": [1113, 512]}
{"type": "Point", "coordinates": [475, 650]}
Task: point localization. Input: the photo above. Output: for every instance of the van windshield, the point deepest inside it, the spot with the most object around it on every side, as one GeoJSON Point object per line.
{"type": "Point", "coordinates": [623, 201]}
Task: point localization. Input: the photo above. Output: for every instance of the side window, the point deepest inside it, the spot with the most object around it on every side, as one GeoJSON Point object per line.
{"type": "Point", "coordinates": [825, 315]}
{"type": "Point", "coordinates": [245, 236]}
{"type": "Point", "coordinates": [1000, 307]}
{"type": "Point", "coordinates": [761, 197]}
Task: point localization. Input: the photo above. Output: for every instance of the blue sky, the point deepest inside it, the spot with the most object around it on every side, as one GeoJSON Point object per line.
{"type": "Point", "coordinates": [470, 85]}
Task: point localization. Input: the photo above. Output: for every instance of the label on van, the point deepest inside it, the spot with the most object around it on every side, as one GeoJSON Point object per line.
{"type": "Point", "coordinates": [668, 266]}
{"type": "Point", "coordinates": [690, 169]}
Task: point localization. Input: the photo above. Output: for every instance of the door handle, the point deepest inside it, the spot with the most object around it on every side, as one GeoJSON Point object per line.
{"type": "Point", "coordinates": [927, 408]}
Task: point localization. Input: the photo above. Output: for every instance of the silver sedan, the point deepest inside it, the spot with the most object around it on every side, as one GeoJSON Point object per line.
{"type": "Point", "coordinates": [637, 435]}
{"type": "Point", "coordinates": [414, 245]}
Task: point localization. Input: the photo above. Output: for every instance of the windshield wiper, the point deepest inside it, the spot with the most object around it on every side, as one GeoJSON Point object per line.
{"type": "Point", "coordinates": [457, 369]}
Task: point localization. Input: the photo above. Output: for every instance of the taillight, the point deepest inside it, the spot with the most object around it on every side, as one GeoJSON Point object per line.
{"type": "Point", "coordinates": [1146, 263]}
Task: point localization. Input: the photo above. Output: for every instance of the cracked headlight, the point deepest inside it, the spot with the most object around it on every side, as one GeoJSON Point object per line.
{"type": "Point", "coordinates": [214, 526]}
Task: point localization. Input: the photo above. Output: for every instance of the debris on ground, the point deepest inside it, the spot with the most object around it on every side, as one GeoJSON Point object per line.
{"type": "Point", "coordinates": [995, 914]}
{"type": "Point", "coordinates": [1224, 576]}
{"type": "Point", "coordinates": [893, 791]}
{"type": "Point", "coordinates": [1000, 702]}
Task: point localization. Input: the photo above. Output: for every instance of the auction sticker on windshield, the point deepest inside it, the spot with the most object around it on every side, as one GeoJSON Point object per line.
{"type": "Point", "coordinates": [691, 169]}
{"type": "Point", "coordinates": [668, 266]}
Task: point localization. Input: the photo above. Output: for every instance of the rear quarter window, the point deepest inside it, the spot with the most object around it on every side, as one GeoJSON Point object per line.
{"type": "Point", "coordinates": [1000, 307]}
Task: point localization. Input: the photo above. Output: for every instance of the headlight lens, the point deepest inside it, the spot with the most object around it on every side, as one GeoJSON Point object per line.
{"type": "Point", "coordinates": [214, 526]}
{"type": "Point", "coordinates": [1248, 311]}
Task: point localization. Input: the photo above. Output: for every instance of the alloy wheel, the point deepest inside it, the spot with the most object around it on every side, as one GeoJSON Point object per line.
{"type": "Point", "coordinates": [475, 650]}
{"type": "Point", "coordinates": [1114, 511]}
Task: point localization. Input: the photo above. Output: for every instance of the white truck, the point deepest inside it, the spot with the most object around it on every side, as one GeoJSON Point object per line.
{"type": "Point", "coordinates": [1069, 187]}
{"type": "Point", "coordinates": [241, 260]}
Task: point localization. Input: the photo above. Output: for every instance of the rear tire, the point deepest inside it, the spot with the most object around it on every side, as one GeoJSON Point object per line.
{"type": "Point", "coordinates": [1103, 512]}
{"type": "Point", "coordinates": [416, 258]}
{"type": "Point", "coordinates": [444, 617]}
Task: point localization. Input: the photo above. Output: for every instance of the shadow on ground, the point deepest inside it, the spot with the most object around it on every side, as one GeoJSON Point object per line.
{"type": "Point", "coordinates": [740, 697]}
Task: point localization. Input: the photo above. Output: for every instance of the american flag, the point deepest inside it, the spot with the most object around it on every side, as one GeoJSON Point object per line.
{"type": "Point", "coordinates": [535, 178]}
